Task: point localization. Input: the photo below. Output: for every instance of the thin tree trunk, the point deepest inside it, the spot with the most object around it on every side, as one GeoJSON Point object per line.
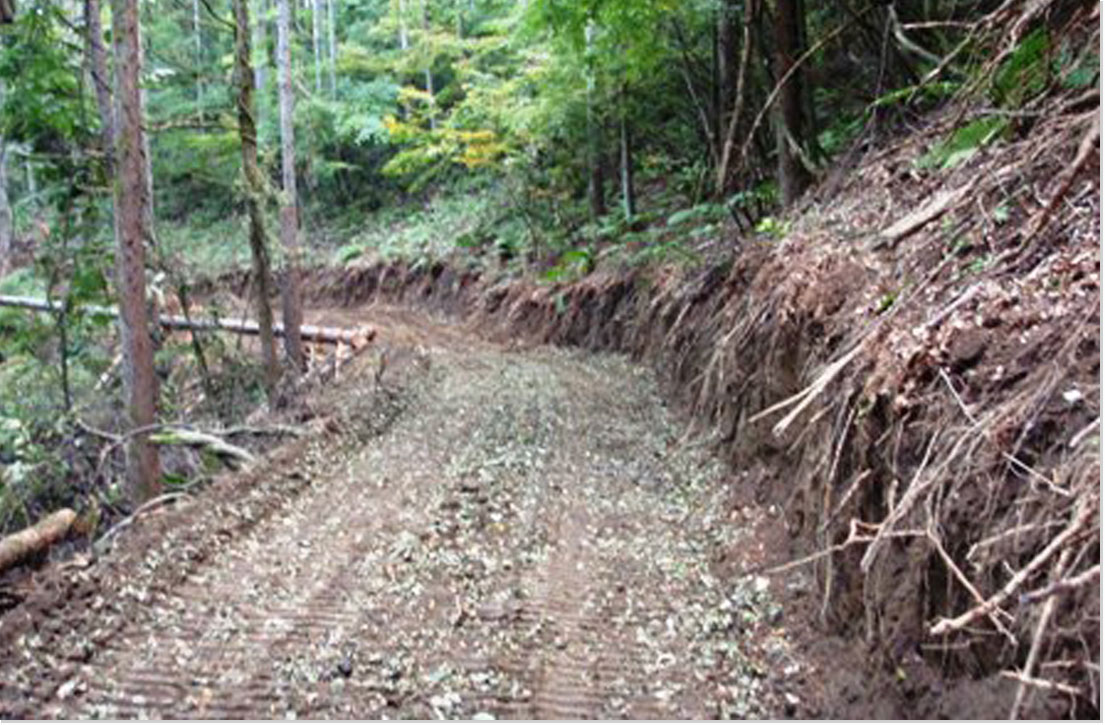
{"type": "Point", "coordinates": [747, 39]}
{"type": "Point", "coordinates": [132, 233]}
{"type": "Point", "coordinates": [316, 41]}
{"type": "Point", "coordinates": [5, 210]}
{"type": "Point", "coordinates": [701, 107]}
{"type": "Point", "coordinates": [595, 181]}
{"type": "Point", "coordinates": [101, 82]}
{"type": "Point", "coordinates": [260, 48]}
{"type": "Point", "coordinates": [629, 198]}
{"type": "Point", "coordinates": [356, 337]}
{"type": "Point", "coordinates": [792, 175]}
{"type": "Point", "coordinates": [404, 38]}
{"type": "Point", "coordinates": [289, 218]}
{"type": "Point", "coordinates": [333, 47]}
{"type": "Point", "coordinates": [247, 132]}
{"type": "Point", "coordinates": [199, 55]}
{"type": "Point", "coordinates": [429, 72]}
{"type": "Point", "coordinates": [32, 182]}
{"type": "Point", "coordinates": [726, 63]}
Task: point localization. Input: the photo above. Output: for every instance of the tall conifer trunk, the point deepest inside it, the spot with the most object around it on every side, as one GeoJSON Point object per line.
{"type": "Point", "coordinates": [5, 210]}
{"type": "Point", "coordinates": [258, 245]}
{"type": "Point", "coordinates": [316, 41]}
{"type": "Point", "coordinates": [790, 127]}
{"type": "Point", "coordinates": [132, 234]}
{"type": "Point", "coordinates": [333, 47]}
{"type": "Point", "coordinates": [101, 82]}
{"type": "Point", "coordinates": [289, 217]}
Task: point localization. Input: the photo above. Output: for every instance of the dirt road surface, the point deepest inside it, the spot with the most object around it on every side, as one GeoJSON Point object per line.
{"type": "Point", "coordinates": [482, 532]}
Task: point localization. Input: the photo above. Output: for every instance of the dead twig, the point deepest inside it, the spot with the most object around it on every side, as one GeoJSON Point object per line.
{"type": "Point", "coordinates": [971, 589]}
{"type": "Point", "coordinates": [854, 537]}
{"type": "Point", "coordinates": [1081, 159]}
{"type": "Point", "coordinates": [1037, 641]}
{"type": "Point", "coordinates": [101, 544]}
{"type": "Point", "coordinates": [1081, 519]}
{"type": "Point", "coordinates": [1064, 585]}
{"type": "Point", "coordinates": [1041, 683]}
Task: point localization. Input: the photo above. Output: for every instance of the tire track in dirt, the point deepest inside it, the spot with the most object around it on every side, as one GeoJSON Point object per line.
{"type": "Point", "coordinates": [526, 540]}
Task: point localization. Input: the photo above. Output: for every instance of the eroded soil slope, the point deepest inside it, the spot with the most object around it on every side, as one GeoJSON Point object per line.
{"type": "Point", "coordinates": [516, 533]}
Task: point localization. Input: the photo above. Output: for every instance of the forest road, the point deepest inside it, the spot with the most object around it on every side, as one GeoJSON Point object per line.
{"type": "Point", "coordinates": [520, 534]}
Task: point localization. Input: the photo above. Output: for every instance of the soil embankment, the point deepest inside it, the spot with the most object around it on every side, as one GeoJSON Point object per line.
{"type": "Point", "coordinates": [911, 375]}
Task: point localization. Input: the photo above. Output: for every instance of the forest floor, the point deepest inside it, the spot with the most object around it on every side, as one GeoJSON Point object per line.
{"type": "Point", "coordinates": [481, 531]}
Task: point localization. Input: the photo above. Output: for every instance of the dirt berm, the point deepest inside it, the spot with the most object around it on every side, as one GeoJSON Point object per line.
{"type": "Point", "coordinates": [911, 374]}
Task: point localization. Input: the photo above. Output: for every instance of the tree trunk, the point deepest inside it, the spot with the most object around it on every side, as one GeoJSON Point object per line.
{"type": "Point", "coordinates": [355, 337]}
{"type": "Point", "coordinates": [404, 39]}
{"type": "Point", "coordinates": [36, 539]}
{"type": "Point", "coordinates": [101, 81]}
{"type": "Point", "coordinates": [260, 48]}
{"type": "Point", "coordinates": [726, 63]}
{"type": "Point", "coordinates": [199, 56]}
{"type": "Point", "coordinates": [258, 245]}
{"type": "Point", "coordinates": [790, 128]}
{"type": "Point", "coordinates": [316, 41]}
{"type": "Point", "coordinates": [333, 47]}
{"type": "Point", "coordinates": [747, 39]}
{"type": "Point", "coordinates": [629, 198]}
{"type": "Point", "coordinates": [132, 233]}
{"type": "Point", "coordinates": [32, 182]}
{"type": "Point", "coordinates": [595, 181]}
{"type": "Point", "coordinates": [5, 210]}
{"type": "Point", "coordinates": [289, 218]}
{"type": "Point", "coordinates": [429, 71]}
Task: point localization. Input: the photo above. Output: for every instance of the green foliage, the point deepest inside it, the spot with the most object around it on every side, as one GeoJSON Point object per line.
{"type": "Point", "coordinates": [773, 227]}
{"type": "Point", "coordinates": [705, 212]}
{"type": "Point", "coordinates": [964, 143]}
{"type": "Point", "coordinates": [42, 102]}
{"type": "Point", "coordinates": [931, 91]}
{"type": "Point", "coordinates": [1025, 73]}
{"type": "Point", "coordinates": [572, 264]}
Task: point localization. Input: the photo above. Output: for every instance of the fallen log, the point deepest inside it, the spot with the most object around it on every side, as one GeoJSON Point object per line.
{"type": "Point", "coordinates": [184, 437]}
{"type": "Point", "coordinates": [35, 539]}
{"type": "Point", "coordinates": [353, 337]}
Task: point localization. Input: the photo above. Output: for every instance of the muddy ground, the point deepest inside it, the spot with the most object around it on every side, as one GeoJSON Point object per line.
{"type": "Point", "coordinates": [481, 531]}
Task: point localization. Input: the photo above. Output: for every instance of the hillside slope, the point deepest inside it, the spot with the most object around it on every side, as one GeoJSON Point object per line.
{"type": "Point", "coordinates": [912, 373]}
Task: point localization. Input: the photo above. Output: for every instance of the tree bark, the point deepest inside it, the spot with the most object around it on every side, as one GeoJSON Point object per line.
{"type": "Point", "coordinates": [356, 337]}
{"type": "Point", "coordinates": [595, 181]}
{"type": "Point", "coordinates": [35, 539]}
{"type": "Point", "coordinates": [132, 233]}
{"type": "Point", "coordinates": [792, 175]}
{"type": "Point", "coordinates": [316, 41]}
{"type": "Point", "coordinates": [747, 39]}
{"type": "Point", "coordinates": [333, 47]}
{"type": "Point", "coordinates": [404, 39]}
{"type": "Point", "coordinates": [101, 82]}
{"type": "Point", "coordinates": [199, 55]}
{"type": "Point", "coordinates": [5, 210]}
{"type": "Point", "coordinates": [629, 197]}
{"type": "Point", "coordinates": [289, 218]}
{"type": "Point", "coordinates": [258, 245]}
{"type": "Point", "coordinates": [726, 63]}
{"type": "Point", "coordinates": [429, 71]}
{"type": "Point", "coordinates": [260, 48]}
